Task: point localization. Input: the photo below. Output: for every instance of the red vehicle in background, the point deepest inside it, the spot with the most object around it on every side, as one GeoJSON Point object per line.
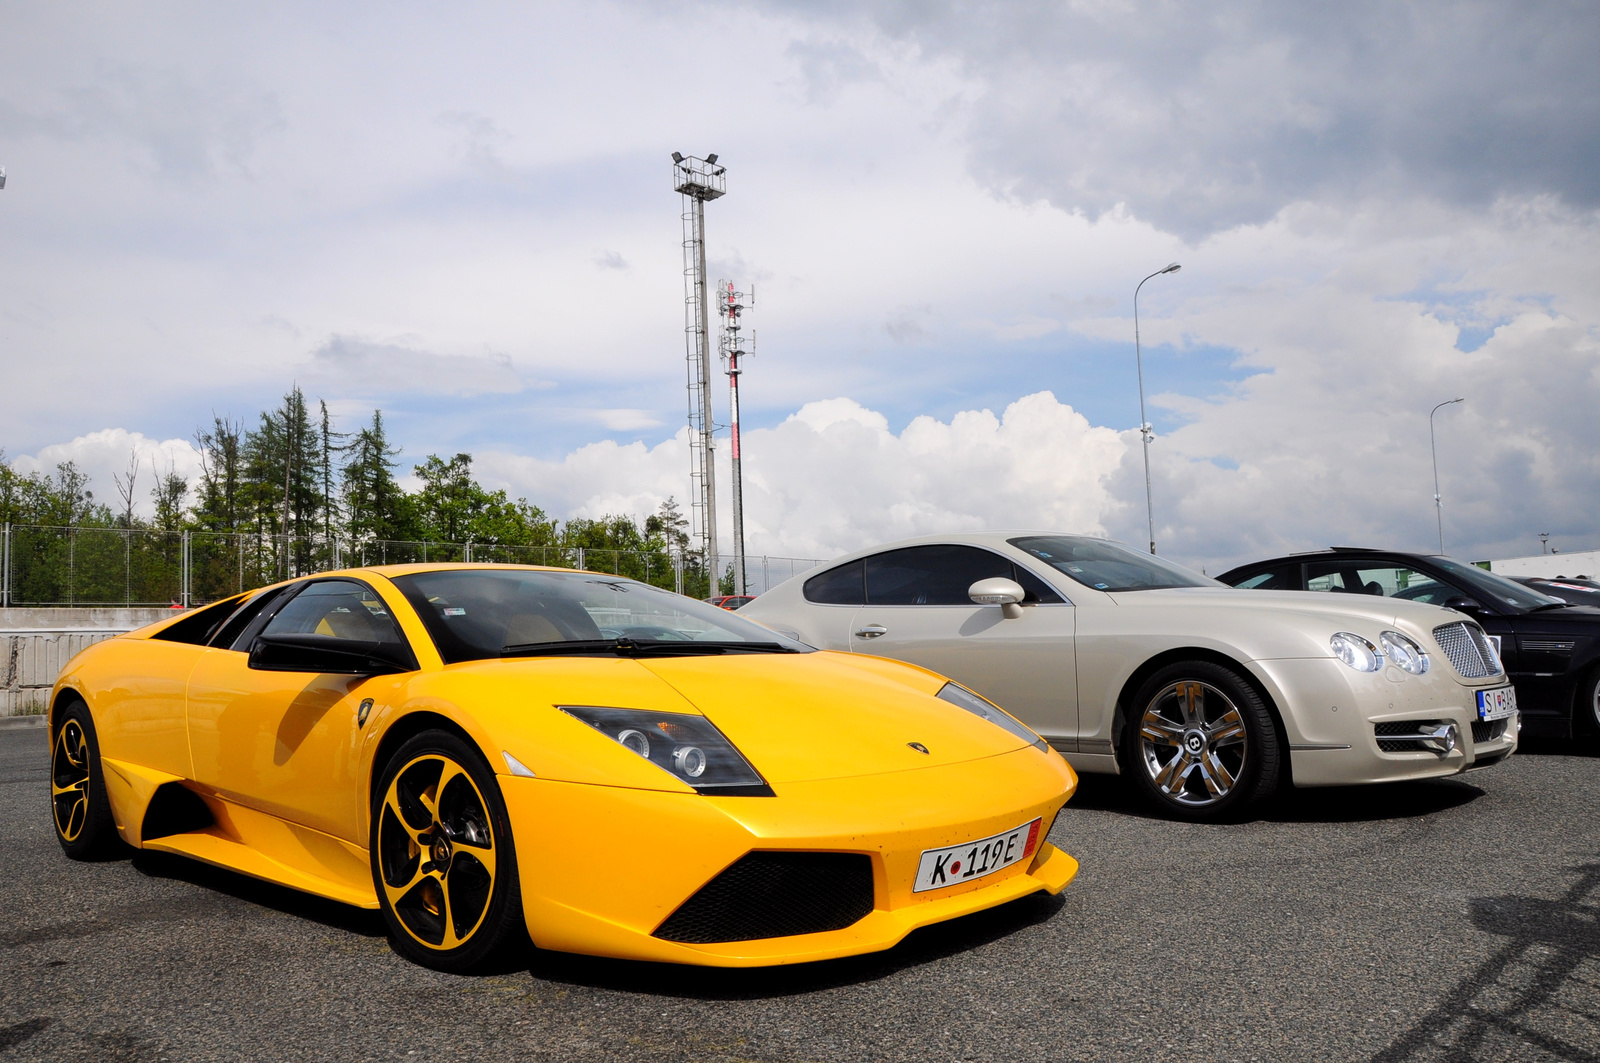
{"type": "Point", "coordinates": [731, 601]}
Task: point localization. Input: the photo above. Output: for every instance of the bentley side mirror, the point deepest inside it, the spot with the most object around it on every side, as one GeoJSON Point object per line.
{"type": "Point", "coordinates": [326, 655]}
{"type": "Point", "coordinates": [1462, 604]}
{"type": "Point", "coordinates": [997, 590]}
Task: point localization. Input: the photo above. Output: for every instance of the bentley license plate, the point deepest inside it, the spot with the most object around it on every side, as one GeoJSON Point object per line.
{"type": "Point", "coordinates": [1496, 704]}
{"type": "Point", "coordinates": [974, 860]}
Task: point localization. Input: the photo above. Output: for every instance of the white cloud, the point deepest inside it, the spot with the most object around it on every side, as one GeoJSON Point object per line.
{"type": "Point", "coordinates": [105, 455]}
{"type": "Point", "coordinates": [834, 477]}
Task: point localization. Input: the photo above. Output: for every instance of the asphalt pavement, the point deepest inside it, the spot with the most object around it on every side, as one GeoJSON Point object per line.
{"type": "Point", "coordinates": [1451, 920]}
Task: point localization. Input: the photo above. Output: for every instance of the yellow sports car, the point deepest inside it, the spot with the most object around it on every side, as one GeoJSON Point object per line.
{"type": "Point", "coordinates": [618, 770]}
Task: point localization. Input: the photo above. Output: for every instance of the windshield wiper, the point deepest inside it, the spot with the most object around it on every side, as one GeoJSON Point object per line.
{"type": "Point", "coordinates": [1549, 605]}
{"type": "Point", "coordinates": [626, 647]}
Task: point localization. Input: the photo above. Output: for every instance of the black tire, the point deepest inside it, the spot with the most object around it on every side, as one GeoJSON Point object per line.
{"type": "Point", "coordinates": [1586, 709]}
{"type": "Point", "coordinates": [1199, 742]}
{"type": "Point", "coordinates": [79, 806]}
{"type": "Point", "coordinates": [443, 863]}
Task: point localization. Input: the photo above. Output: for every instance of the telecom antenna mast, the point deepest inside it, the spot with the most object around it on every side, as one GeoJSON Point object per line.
{"type": "Point", "coordinates": [731, 304]}
{"type": "Point", "coordinates": [699, 180]}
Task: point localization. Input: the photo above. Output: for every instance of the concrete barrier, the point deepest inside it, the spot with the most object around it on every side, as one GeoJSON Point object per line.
{"type": "Point", "coordinates": [35, 644]}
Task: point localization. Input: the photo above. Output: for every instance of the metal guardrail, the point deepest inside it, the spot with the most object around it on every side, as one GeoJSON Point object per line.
{"type": "Point", "coordinates": [41, 565]}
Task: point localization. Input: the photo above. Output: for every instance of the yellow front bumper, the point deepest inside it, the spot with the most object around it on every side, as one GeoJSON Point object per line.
{"type": "Point", "coordinates": [601, 867]}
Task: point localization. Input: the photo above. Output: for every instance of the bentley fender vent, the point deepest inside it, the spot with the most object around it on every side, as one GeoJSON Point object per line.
{"type": "Point", "coordinates": [774, 894]}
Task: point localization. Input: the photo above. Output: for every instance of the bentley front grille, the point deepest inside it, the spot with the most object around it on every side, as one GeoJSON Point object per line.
{"type": "Point", "coordinates": [1468, 649]}
{"type": "Point", "coordinates": [775, 894]}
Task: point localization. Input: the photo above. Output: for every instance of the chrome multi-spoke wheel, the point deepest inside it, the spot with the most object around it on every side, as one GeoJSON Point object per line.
{"type": "Point", "coordinates": [441, 855]}
{"type": "Point", "coordinates": [1193, 742]}
{"type": "Point", "coordinates": [1200, 741]}
{"type": "Point", "coordinates": [78, 802]}
{"type": "Point", "coordinates": [69, 780]}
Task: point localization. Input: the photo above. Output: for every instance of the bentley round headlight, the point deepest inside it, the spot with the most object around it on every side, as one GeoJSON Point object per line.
{"type": "Point", "coordinates": [1403, 652]}
{"type": "Point", "coordinates": [635, 740]}
{"type": "Point", "coordinates": [1356, 651]}
{"type": "Point", "coordinates": [691, 760]}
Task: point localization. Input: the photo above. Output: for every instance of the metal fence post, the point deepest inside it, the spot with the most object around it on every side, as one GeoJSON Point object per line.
{"type": "Point", "coordinates": [186, 569]}
{"type": "Point", "coordinates": [580, 560]}
{"type": "Point", "coordinates": [5, 569]}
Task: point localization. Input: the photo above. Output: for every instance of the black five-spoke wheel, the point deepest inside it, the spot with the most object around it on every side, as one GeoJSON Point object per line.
{"type": "Point", "coordinates": [441, 853]}
{"type": "Point", "coordinates": [78, 801]}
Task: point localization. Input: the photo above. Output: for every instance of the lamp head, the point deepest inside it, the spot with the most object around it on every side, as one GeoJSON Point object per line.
{"type": "Point", "coordinates": [677, 156]}
{"type": "Point", "coordinates": [1172, 268]}
{"type": "Point", "coordinates": [711, 159]}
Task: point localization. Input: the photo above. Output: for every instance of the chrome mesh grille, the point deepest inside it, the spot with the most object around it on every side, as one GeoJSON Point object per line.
{"type": "Point", "coordinates": [1468, 649]}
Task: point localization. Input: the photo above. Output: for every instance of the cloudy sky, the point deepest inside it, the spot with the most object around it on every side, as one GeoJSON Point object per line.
{"type": "Point", "coordinates": [464, 215]}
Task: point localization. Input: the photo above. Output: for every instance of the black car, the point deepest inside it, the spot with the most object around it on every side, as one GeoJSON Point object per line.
{"type": "Point", "coordinates": [1550, 648]}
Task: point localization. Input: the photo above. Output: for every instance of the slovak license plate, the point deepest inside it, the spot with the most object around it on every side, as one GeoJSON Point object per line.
{"type": "Point", "coordinates": [974, 860]}
{"type": "Point", "coordinates": [1497, 704]}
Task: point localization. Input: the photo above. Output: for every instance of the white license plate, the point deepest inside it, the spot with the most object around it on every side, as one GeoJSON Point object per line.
{"type": "Point", "coordinates": [1497, 704]}
{"type": "Point", "coordinates": [974, 860]}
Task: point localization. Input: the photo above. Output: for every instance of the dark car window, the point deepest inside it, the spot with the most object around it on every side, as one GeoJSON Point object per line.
{"type": "Point", "coordinates": [837, 586]}
{"type": "Point", "coordinates": [198, 627]}
{"type": "Point", "coordinates": [343, 609]}
{"type": "Point", "coordinates": [1488, 588]}
{"type": "Point", "coordinates": [1570, 591]}
{"type": "Point", "coordinates": [229, 636]}
{"type": "Point", "coordinates": [1276, 578]}
{"type": "Point", "coordinates": [479, 614]}
{"type": "Point", "coordinates": [1377, 578]}
{"type": "Point", "coordinates": [941, 574]}
{"type": "Point", "coordinates": [1108, 566]}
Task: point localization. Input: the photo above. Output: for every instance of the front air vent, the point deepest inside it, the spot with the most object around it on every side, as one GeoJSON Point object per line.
{"type": "Point", "coordinates": [1487, 730]}
{"type": "Point", "coordinates": [1468, 649]}
{"type": "Point", "coordinates": [1415, 736]}
{"type": "Point", "coordinates": [775, 894]}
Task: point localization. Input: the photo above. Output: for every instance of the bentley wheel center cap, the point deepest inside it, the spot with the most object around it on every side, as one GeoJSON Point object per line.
{"type": "Point", "coordinates": [1194, 742]}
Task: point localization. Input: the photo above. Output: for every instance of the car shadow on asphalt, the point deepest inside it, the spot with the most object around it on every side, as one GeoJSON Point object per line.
{"type": "Point", "coordinates": [925, 945]}
{"type": "Point", "coordinates": [1323, 804]}
{"type": "Point", "coordinates": [264, 894]}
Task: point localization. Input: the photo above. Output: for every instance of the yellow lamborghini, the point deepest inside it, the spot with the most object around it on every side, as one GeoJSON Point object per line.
{"type": "Point", "coordinates": [490, 754]}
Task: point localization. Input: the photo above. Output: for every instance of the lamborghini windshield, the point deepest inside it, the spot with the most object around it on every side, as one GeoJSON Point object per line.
{"type": "Point", "coordinates": [474, 614]}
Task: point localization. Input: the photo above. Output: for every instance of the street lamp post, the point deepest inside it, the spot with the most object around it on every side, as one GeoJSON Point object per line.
{"type": "Point", "coordinates": [1438, 501]}
{"type": "Point", "coordinates": [1144, 424]}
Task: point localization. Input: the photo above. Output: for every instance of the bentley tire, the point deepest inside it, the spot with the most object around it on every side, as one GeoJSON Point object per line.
{"type": "Point", "coordinates": [78, 801]}
{"type": "Point", "coordinates": [1199, 742]}
{"type": "Point", "coordinates": [443, 863]}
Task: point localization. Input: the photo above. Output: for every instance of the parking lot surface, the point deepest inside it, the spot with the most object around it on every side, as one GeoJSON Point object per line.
{"type": "Point", "coordinates": [1450, 920]}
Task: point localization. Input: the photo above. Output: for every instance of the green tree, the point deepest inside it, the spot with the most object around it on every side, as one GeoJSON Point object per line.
{"type": "Point", "coordinates": [375, 508]}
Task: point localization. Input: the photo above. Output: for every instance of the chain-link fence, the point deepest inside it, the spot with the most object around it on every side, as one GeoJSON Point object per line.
{"type": "Point", "coordinates": [57, 566]}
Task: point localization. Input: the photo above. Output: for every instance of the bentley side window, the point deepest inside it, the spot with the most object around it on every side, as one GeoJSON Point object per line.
{"type": "Point", "coordinates": [837, 586]}
{"type": "Point", "coordinates": [941, 575]}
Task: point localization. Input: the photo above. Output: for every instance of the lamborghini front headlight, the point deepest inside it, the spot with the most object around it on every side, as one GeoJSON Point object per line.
{"type": "Point", "coordinates": [689, 748]}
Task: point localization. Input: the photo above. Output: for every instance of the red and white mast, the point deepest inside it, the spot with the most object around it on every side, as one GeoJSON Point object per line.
{"type": "Point", "coordinates": [731, 304]}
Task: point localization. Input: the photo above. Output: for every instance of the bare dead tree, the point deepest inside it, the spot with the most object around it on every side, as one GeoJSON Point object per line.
{"type": "Point", "coordinates": [125, 482]}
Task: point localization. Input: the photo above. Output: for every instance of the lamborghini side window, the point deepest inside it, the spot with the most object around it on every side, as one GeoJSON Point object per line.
{"type": "Point", "coordinates": [227, 637]}
{"type": "Point", "coordinates": [343, 609]}
{"type": "Point", "coordinates": [197, 628]}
